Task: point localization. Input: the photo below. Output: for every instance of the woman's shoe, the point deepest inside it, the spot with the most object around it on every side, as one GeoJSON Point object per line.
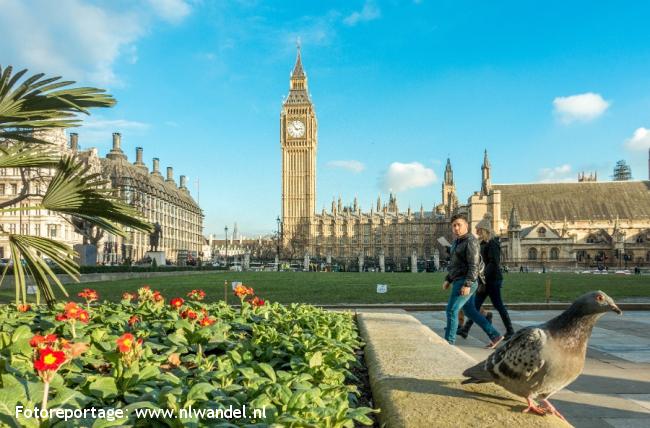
{"type": "Point", "coordinates": [462, 332]}
{"type": "Point", "coordinates": [508, 335]}
{"type": "Point", "coordinates": [494, 342]}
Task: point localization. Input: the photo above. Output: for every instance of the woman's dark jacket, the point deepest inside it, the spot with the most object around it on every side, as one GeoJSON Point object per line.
{"type": "Point", "coordinates": [491, 255]}
{"type": "Point", "coordinates": [464, 262]}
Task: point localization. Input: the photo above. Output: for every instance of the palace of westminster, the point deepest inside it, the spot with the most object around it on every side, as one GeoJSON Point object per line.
{"type": "Point", "coordinates": [586, 222]}
{"type": "Point", "coordinates": [583, 223]}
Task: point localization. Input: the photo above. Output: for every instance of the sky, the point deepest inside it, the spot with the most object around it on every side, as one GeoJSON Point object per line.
{"type": "Point", "coordinates": [550, 89]}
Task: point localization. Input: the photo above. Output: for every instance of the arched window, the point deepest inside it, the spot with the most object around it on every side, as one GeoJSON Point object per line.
{"type": "Point", "coordinates": [581, 255]}
{"type": "Point", "coordinates": [590, 240]}
{"type": "Point", "coordinates": [555, 253]}
{"type": "Point", "coordinates": [541, 232]}
{"type": "Point", "coordinates": [532, 254]}
{"type": "Point", "coordinates": [639, 239]}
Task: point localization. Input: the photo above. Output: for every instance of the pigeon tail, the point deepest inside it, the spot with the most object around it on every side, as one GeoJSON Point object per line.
{"type": "Point", "coordinates": [477, 374]}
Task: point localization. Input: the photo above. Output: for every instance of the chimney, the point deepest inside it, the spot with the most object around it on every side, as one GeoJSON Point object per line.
{"type": "Point", "coordinates": [170, 175]}
{"type": "Point", "coordinates": [156, 167]}
{"type": "Point", "coordinates": [74, 141]}
{"type": "Point", "coordinates": [116, 152]}
{"type": "Point", "coordinates": [183, 182]}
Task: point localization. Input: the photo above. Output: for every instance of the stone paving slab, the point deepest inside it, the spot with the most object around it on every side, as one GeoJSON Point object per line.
{"type": "Point", "coordinates": [415, 379]}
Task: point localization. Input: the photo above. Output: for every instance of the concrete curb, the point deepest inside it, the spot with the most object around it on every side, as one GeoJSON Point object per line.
{"type": "Point", "coordinates": [415, 379]}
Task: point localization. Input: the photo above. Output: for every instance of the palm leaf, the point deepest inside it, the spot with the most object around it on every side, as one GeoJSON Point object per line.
{"type": "Point", "coordinates": [24, 156]}
{"type": "Point", "coordinates": [29, 249]}
{"type": "Point", "coordinates": [75, 192]}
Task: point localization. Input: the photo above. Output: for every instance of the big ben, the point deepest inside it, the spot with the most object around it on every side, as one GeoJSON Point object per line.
{"type": "Point", "coordinates": [299, 141]}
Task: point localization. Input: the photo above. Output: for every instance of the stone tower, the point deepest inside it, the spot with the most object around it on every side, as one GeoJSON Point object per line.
{"type": "Point", "coordinates": [449, 200]}
{"type": "Point", "coordinates": [485, 175]}
{"type": "Point", "coordinates": [299, 141]}
{"type": "Point", "coordinates": [514, 236]}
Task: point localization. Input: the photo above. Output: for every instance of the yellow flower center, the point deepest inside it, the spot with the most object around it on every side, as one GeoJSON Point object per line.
{"type": "Point", "coordinates": [49, 359]}
{"type": "Point", "coordinates": [127, 342]}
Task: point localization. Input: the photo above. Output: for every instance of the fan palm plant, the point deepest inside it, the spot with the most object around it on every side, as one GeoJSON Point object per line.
{"type": "Point", "coordinates": [41, 103]}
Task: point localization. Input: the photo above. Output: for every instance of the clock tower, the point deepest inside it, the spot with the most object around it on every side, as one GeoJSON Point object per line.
{"type": "Point", "coordinates": [298, 140]}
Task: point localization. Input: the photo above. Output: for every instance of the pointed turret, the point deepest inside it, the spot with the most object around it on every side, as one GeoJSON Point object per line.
{"type": "Point", "coordinates": [355, 206]}
{"type": "Point", "coordinates": [485, 175]}
{"type": "Point", "coordinates": [449, 173]}
{"type": "Point", "coordinates": [514, 224]}
{"type": "Point", "coordinates": [298, 75]}
{"type": "Point", "coordinates": [378, 202]}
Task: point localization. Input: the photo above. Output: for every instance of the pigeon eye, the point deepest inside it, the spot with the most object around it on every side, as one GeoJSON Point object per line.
{"type": "Point", "coordinates": [600, 297]}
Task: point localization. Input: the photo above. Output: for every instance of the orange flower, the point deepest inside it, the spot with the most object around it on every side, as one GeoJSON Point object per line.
{"type": "Point", "coordinates": [60, 317]}
{"type": "Point", "coordinates": [190, 314]}
{"type": "Point", "coordinates": [49, 359]}
{"type": "Point", "coordinates": [176, 302]}
{"type": "Point", "coordinates": [89, 295]}
{"type": "Point", "coordinates": [157, 297]}
{"type": "Point", "coordinates": [242, 291]}
{"type": "Point", "coordinates": [83, 316]}
{"type": "Point", "coordinates": [128, 296]}
{"type": "Point", "coordinates": [37, 340]}
{"type": "Point", "coordinates": [256, 301]}
{"type": "Point", "coordinates": [134, 320]}
{"type": "Point", "coordinates": [71, 310]}
{"type": "Point", "coordinates": [206, 321]}
{"type": "Point", "coordinates": [125, 342]}
{"type": "Point", "coordinates": [23, 308]}
{"type": "Point", "coordinates": [196, 294]}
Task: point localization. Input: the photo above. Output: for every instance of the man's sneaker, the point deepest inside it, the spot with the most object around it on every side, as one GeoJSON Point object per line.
{"type": "Point", "coordinates": [494, 342]}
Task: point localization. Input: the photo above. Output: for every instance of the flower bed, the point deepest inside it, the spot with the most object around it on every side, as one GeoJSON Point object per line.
{"type": "Point", "coordinates": [295, 362]}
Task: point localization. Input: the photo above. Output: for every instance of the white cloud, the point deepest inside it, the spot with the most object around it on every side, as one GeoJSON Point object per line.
{"type": "Point", "coordinates": [558, 173]}
{"type": "Point", "coordinates": [76, 39]}
{"type": "Point", "coordinates": [369, 12]}
{"type": "Point", "coordinates": [640, 140]}
{"type": "Point", "coordinates": [581, 107]}
{"type": "Point", "coordinates": [350, 165]}
{"type": "Point", "coordinates": [404, 176]}
{"type": "Point", "coordinates": [173, 11]}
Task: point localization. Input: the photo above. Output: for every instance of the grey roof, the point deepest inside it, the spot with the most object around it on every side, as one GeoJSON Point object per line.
{"type": "Point", "coordinates": [576, 201]}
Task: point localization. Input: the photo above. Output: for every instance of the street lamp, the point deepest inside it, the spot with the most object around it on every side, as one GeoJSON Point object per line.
{"type": "Point", "coordinates": [226, 230]}
{"type": "Point", "coordinates": [278, 242]}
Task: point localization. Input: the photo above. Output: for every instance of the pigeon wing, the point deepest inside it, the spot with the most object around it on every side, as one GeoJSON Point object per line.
{"type": "Point", "coordinates": [520, 358]}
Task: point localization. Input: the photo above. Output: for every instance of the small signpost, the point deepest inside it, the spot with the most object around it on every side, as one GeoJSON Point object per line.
{"type": "Point", "coordinates": [31, 289]}
{"type": "Point", "coordinates": [382, 288]}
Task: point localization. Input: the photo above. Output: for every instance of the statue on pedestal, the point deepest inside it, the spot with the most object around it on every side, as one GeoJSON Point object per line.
{"type": "Point", "coordinates": [154, 237]}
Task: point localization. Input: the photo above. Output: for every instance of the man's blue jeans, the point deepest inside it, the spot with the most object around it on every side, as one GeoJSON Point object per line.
{"type": "Point", "coordinates": [456, 302]}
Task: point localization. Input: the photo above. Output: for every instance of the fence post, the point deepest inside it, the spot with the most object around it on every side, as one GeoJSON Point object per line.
{"type": "Point", "coordinates": [225, 291]}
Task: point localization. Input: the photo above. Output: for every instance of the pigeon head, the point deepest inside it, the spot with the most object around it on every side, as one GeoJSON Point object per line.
{"type": "Point", "coordinates": [597, 302]}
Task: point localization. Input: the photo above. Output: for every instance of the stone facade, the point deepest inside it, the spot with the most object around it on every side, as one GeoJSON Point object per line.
{"type": "Point", "coordinates": [346, 232]}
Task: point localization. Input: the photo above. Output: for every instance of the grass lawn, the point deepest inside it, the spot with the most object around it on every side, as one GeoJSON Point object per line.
{"type": "Point", "coordinates": [333, 288]}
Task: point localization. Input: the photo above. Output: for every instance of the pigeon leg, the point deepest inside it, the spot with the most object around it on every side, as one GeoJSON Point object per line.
{"type": "Point", "coordinates": [532, 407]}
{"type": "Point", "coordinates": [552, 409]}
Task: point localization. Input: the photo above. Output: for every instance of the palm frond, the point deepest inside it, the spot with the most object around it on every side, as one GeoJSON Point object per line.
{"type": "Point", "coordinates": [30, 249]}
{"type": "Point", "coordinates": [75, 192]}
{"type": "Point", "coordinates": [21, 155]}
{"type": "Point", "coordinates": [40, 102]}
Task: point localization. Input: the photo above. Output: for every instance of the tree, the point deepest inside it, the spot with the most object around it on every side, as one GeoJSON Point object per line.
{"type": "Point", "coordinates": [41, 103]}
{"type": "Point", "coordinates": [622, 171]}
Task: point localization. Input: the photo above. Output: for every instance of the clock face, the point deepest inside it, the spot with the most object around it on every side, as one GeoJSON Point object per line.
{"type": "Point", "coordinates": [296, 128]}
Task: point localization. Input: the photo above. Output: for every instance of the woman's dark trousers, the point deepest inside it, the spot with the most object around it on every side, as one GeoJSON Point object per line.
{"type": "Point", "coordinates": [493, 291]}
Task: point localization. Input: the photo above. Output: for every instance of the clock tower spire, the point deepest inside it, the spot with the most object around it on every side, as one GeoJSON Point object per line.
{"type": "Point", "coordinates": [298, 142]}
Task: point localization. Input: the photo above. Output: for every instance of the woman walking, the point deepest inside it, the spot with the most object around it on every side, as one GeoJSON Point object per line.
{"type": "Point", "coordinates": [462, 277]}
{"type": "Point", "coordinates": [491, 255]}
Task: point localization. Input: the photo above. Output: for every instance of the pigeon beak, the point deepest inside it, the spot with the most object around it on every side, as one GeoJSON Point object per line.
{"type": "Point", "coordinates": [616, 309]}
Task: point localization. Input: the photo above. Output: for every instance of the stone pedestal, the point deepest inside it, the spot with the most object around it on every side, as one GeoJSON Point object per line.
{"type": "Point", "coordinates": [305, 264]}
{"type": "Point", "coordinates": [158, 256]}
{"type": "Point", "coordinates": [382, 264]}
{"type": "Point", "coordinates": [414, 262]}
{"type": "Point", "coordinates": [247, 260]}
{"type": "Point", "coordinates": [436, 259]}
{"type": "Point", "coordinates": [361, 262]}
{"type": "Point", "coordinates": [329, 259]}
{"type": "Point", "coordinates": [87, 254]}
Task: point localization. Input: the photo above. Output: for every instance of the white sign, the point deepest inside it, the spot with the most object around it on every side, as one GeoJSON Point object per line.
{"type": "Point", "coordinates": [31, 289]}
{"type": "Point", "coordinates": [382, 288]}
{"type": "Point", "coordinates": [235, 284]}
{"type": "Point", "coordinates": [443, 241]}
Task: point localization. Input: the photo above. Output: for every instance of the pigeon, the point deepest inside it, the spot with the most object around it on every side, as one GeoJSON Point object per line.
{"type": "Point", "coordinates": [540, 360]}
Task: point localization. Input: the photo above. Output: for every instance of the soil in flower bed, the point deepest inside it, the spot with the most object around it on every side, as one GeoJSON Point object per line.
{"type": "Point", "coordinates": [301, 363]}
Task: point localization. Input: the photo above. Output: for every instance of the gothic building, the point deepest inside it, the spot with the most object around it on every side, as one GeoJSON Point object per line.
{"type": "Point", "coordinates": [581, 224]}
{"type": "Point", "coordinates": [346, 233]}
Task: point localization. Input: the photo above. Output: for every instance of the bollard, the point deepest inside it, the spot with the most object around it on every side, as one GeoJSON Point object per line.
{"type": "Point", "coordinates": [548, 290]}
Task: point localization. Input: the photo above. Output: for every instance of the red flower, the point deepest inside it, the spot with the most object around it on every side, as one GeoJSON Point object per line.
{"type": "Point", "coordinates": [206, 321]}
{"type": "Point", "coordinates": [49, 359]}
{"type": "Point", "coordinates": [83, 316]}
{"type": "Point", "coordinates": [256, 301]}
{"type": "Point", "coordinates": [196, 294]}
{"type": "Point", "coordinates": [36, 341]}
{"type": "Point", "coordinates": [89, 295]}
{"type": "Point", "coordinates": [134, 320]}
{"type": "Point", "coordinates": [71, 310]}
{"type": "Point", "coordinates": [176, 302]}
{"type": "Point", "coordinates": [60, 317]}
{"type": "Point", "coordinates": [157, 297]}
{"type": "Point", "coordinates": [242, 291]}
{"type": "Point", "coordinates": [23, 308]}
{"type": "Point", "coordinates": [128, 296]}
{"type": "Point", "coordinates": [190, 314]}
{"type": "Point", "coordinates": [125, 342]}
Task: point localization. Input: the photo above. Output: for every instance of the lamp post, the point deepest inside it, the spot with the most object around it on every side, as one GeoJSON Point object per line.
{"type": "Point", "coordinates": [226, 230]}
{"type": "Point", "coordinates": [278, 242]}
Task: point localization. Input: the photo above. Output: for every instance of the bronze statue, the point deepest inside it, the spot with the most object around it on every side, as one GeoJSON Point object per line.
{"type": "Point", "coordinates": [91, 234]}
{"type": "Point", "coordinates": [154, 237]}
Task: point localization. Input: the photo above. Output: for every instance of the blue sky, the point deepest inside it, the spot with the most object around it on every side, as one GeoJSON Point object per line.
{"type": "Point", "coordinates": [548, 88]}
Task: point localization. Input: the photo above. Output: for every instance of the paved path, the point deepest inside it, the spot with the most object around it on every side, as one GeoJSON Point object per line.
{"type": "Point", "coordinates": [614, 388]}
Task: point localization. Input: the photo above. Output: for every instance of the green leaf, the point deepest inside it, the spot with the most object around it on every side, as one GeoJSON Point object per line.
{"type": "Point", "coordinates": [268, 370]}
{"type": "Point", "coordinates": [22, 333]}
{"type": "Point", "coordinates": [198, 392]}
{"type": "Point", "coordinates": [103, 388]}
{"type": "Point", "coordinates": [316, 360]}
